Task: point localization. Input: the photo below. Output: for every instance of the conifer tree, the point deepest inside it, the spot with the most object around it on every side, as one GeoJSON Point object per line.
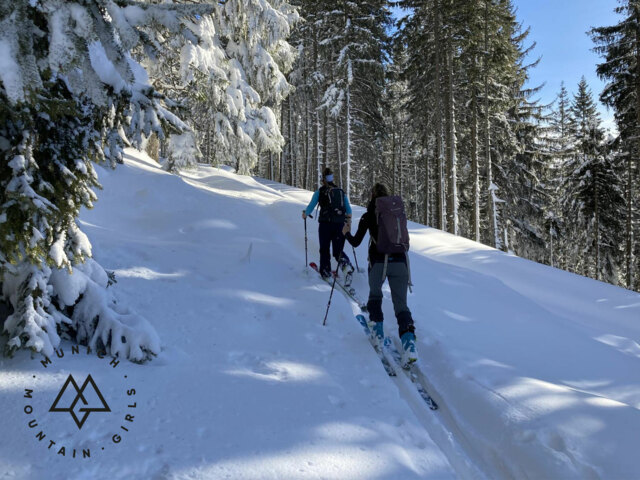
{"type": "Point", "coordinates": [619, 45]}
{"type": "Point", "coordinates": [596, 191]}
{"type": "Point", "coordinates": [560, 143]}
{"type": "Point", "coordinates": [73, 95]}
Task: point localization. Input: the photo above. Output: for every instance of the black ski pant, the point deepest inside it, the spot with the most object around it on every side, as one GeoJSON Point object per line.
{"type": "Point", "coordinates": [331, 238]}
{"type": "Point", "coordinates": [398, 276]}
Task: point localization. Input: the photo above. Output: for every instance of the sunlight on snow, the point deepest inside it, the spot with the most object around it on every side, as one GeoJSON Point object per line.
{"type": "Point", "coordinates": [146, 273]}
{"type": "Point", "coordinates": [486, 362]}
{"type": "Point", "coordinates": [338, 462]}
{"type": "Point", "coordinates": [210, 223]}
{"type": "Point", "coordinates": [258, 297]}
{"type": "Point", "coordinates": [622, 344]}
{"type": "Point", "coordinates": [16, 380]}
{"type": "Point", "coordinates": [281, 371]}
{"type": "Point", "coordinates": [345, 432]}
{"type": "Point", "coordinates": [456, 316]}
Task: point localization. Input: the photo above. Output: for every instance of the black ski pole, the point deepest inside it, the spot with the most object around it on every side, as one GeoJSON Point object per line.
{"type": "Point", "coordinates": [333, 286]}
{"type": "Point", "coordinates": [355, 257]}
{"type": "Point", "coordinates": [306, 257]}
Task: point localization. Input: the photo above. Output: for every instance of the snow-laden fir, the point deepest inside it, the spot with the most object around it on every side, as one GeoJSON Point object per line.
{"type": "Point", "coordinates": [78, 82]}
{"type": "Point", "coordinates": [535, 369]}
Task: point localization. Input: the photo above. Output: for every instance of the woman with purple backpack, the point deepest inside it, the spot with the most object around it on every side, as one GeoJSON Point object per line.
{"type": "Point", "coordinates": [386, 222]}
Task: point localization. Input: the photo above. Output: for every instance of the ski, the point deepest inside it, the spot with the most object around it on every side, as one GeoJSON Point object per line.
{"type": "Point", "coordinates": [350, 292]}
{"type": "Point", "coordinates": [412, 372]}
{"type": "Point", "coordinates": [383, 359]}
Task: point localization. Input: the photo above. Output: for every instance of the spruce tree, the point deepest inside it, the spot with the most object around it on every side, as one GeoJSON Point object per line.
{"type": "Point", "coordinates": [619, 45]}
{"type": "Point", "coordinates": [596, 190]}
{"type": "Point", "coordinates": [74, 95]}
{"type": "Point", "coordinates": [560, 143]}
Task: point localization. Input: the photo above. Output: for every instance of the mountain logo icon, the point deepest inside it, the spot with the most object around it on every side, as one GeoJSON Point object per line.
{"type": "Point", "coordinates": [79, 401]}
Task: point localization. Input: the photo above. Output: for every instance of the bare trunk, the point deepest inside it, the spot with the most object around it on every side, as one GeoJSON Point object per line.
{"type": "Point", "coordinates": [338, 153]}
{"type": "Point", "coordinates": [427, 190]}
{"type": "Point", "coordinates": [307, 148]}
{"type": "Point", "coordinates": [287, 146]}
{"type": "Point", "coordinates": [316, 138]}
{"type": "Point", "coordinates": [475, 220]}
{"type": "Point", "coordinates": [440, 217]}
{"type": "Point", "coordinates": [393, 159]}
{"type": "Point", "coordinates": [452, 192]}
{"type": "Point", "coordinates": [629, 223]}
{"type": "Point", "coordinates": [325, 140]}
{"type": "Point", "coordinates": [400, 164]}
{"type": "Point", "coordinates": [597, 227]}
{"type": "Point", "coordinates": [318, 147]}
{"type": "Point", "coordinates": [551, 242]}
{"type": "Point", "coordinates": [293, 144]}
{"type": "Point", "coordinates": [348, 186]}
{"type": "Point", "coordinates": [415, 192]}
{"type": "Point", "coordinates": [494, 241]}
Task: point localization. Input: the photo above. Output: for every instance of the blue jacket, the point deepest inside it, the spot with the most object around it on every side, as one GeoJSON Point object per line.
{"type": "Point", "coordinates": [316, 197]}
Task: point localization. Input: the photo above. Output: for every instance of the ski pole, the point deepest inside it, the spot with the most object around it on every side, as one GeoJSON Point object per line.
{"type": "Point", "coordinates": [355, 258]}
{"type": "Point", "coordinates": [333, 286]}
{"type": "Point", "coordinates": [306, 257]}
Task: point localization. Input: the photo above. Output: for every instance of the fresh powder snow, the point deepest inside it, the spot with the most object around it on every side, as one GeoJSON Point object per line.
{"type": "Point", "coordinates": [535, 370]}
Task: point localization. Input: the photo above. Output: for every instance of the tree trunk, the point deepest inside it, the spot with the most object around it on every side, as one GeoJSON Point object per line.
{"type": "Point", "coordinates": [475, 219]}
{"type": "Point", "coordinates": [494, 241]}
{"type": "Point", "coordinates": [293, 145]}
{"type": "Point", "coordinates": [338, 153]}
{"type": "Point", "coordinates": [440, 217]}
{"type": "Point", "coordinates": [629, 223]}
{"type": "Point", "coordinates": [307, 148]}
{"type": "Point", "coordinates": [316, 97]}
{"type": "Point", "coordinates": [415, 192]}
{"type": "Point", "coordinates": [325, 140]}
{"type": "Point", "coordinates": [596, 235]}
{"type": "Point", "coordinates": [452, 191]}
{"type": "Point", "coordinates": [427, 190]}
{"type": "Point", "coordinates": [400, 163]}
{"type": "Point", "coordinates": [348, 187]}
{"type": "Point", "coordinates": [393, 158]}
{"type": "Point", "coordinates": [287, 146]}
{"type": "Point", "coordinates": [271, 166]}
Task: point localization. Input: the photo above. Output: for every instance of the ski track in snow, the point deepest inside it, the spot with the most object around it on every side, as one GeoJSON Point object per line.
{"type": "Point", "coordinates": [534, 369]}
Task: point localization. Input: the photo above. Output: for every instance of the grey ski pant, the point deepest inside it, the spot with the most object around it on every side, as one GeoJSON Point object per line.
{"type": "Point", "coordinates": [398, 276]}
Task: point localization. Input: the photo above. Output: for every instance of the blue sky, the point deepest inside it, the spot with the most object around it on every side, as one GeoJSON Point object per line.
{"type": "Point", "coordinates": [559, 29]}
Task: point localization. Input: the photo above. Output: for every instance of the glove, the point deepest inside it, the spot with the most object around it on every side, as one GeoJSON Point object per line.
{"type": "Point", "coordinates": [304, 214]}
{"type": "Point", "coordinates": [346, 229]}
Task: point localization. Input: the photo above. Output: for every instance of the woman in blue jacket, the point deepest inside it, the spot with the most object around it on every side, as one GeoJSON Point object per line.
{"type": "Point", "coordinates": [335, 212]}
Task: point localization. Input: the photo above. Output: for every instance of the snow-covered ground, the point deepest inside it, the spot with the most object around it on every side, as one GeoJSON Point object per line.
{"type": "Point", "coordinates": [537, 371]}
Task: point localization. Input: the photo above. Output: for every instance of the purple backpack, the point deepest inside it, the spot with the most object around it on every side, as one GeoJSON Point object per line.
{"type": "Point", "coordinates": [393, 236]}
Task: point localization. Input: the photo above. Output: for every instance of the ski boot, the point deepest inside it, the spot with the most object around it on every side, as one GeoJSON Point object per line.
{"type": "Point", "coordinates": [377, 333]}
{"type": "Point", "coordinates": [347, 271]}
{"type": "Point", "coordinates": [409, 354]}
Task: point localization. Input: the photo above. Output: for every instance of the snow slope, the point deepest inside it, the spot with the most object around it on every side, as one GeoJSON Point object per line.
{"type": "Point", "coordinates": [536, 370]}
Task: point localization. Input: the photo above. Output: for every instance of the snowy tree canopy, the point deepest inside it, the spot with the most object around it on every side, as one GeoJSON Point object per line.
{"type": "Point", "coordinates": [72, 93]}
{"type": "Point", "coordinates": [234, 79]}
